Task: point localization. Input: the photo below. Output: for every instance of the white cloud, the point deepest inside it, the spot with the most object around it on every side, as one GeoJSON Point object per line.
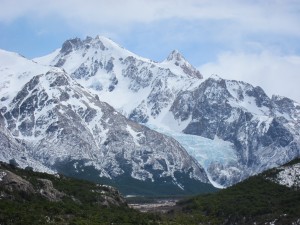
{"type": "Point", "coordinates": [275, 73]}
{"type": "Point", "coordinates": [251, 16]}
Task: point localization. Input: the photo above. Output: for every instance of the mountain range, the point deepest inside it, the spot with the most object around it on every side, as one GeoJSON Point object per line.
{"type": "Point", "coordinates": [95, 110]}
{"type": "Point", "coordinates": [52, 123]}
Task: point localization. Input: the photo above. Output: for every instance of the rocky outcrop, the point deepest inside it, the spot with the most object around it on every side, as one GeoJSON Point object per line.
{"type": "Point", "coordinates": [16, 184]}
{"type": "Point", "coordinates": [48, 191]}
{"type": "Point", "coordinates": [12, 182]}
{"type": "Point", "coordinates": [111, 196]}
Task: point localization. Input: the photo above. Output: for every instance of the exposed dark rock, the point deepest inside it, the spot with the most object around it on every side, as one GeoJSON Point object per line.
{"type": "Point", "coordinates": [59, 81]}
{"type": "Point", "coordinates": [69, 45]}
{"type": "Point", "coordinates": [277, 135]}
{"type": "Point", "coordinates": [81, 72]}
{"type": "Point", "coordinates": [109, 65]}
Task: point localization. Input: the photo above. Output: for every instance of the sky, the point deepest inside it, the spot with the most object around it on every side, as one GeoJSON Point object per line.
{"type": "Point", "coordinates": [257, 41]}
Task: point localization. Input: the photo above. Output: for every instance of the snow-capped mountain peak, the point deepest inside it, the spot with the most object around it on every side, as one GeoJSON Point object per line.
{"type": "Point", "coordinates": [98, 42]}
{"type": "Point", "coordinates": [109, 43]}
{"type": "Point", "coordinates": [137, 87]}
{"type": "Point", "coordinates": [96, 46]}
{"type": "Point", "coordinates": [175, 55]}
{"type": "Point", "coordinates": [178, 64]}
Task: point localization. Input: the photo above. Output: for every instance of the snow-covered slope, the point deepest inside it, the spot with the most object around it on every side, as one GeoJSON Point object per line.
{"type": "Point", "coordinates": [53, 123]}
{"type": "Point", "coordinates": [15, 71]}
{"type": "Point", "coordinates": [12, 150]}
{"type": "Point", "coordinates": [141, 89]}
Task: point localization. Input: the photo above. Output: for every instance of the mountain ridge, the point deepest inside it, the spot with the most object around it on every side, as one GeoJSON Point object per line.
{"type": "Point", "coordinates": [171, 96]}
{"type": "Point", "coordinates": [56, 121]}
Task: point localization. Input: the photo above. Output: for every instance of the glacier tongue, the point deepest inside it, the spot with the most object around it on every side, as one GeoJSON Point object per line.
{"type": "Point", "coordinates": [204, 150]}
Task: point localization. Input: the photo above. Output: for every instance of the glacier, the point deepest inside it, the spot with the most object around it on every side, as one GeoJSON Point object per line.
{"type": "Point", "coordinates": [204, 150]}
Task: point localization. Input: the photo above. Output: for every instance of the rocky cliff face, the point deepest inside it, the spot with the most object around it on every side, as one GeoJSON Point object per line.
{"type": "Point", "coordinates": [264, 130]}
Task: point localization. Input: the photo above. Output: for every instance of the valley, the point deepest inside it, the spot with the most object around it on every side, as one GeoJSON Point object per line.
{"type": "Point", "coordinates": [158, 205]}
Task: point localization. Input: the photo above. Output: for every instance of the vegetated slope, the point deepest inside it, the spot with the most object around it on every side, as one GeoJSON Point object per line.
{"type": "Point", "coordinates": [257, 200]}
{"type": "Point", "coordinates": [29, 197]}
{"type": "Point", "coordinates": [52, 123]}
